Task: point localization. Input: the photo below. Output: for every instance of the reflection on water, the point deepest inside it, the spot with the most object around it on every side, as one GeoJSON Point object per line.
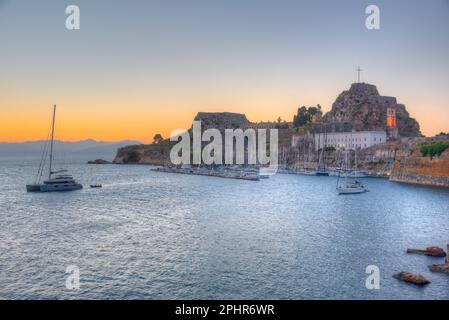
{"type": "Point", "coordinates": [157, 235]}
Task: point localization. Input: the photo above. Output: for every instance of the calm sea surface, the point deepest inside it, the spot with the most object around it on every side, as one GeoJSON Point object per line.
{"type": "Point", "coordinates": [166, 236]}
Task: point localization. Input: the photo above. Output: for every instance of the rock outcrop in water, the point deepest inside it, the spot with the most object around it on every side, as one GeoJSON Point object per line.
{"type": "Point", "coordinates": [98, 161]}
{"type": "Point", "coordinates": [412, 278]}
{"type": "Point", "coordinates": [430, 251]}
{"type": "Point", "coordinates": [366, 109]}
{"type": "Point", "coordinates": [442, 268]}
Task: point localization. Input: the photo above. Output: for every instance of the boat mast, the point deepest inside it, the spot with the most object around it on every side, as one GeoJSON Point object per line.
{"type": "Point", "coordinates": [321, 161]}
{"type": "Point", "coordinates": [52, 140]}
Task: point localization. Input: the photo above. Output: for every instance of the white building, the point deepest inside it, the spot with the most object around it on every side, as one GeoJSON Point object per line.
{"type": "Point", "coordinates": [350, 140]}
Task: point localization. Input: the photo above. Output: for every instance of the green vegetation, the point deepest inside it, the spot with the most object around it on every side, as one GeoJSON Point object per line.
{"type": "Point", "coordinates": [432, 149]}
{"type": "Point", "coordinates": [329, 149]}
{"type": "Point", "coordinates": [132, 156]}
{"type": "Point", "coordinates": [305, 115]}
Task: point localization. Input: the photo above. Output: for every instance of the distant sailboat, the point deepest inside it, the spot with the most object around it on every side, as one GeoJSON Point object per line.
{"type": "Point", "coordinates": [350, 185]}
{"type": "Point", "coordinates": [57, 180]}
{"type": "Point", "coordinates": [321, 168]}
{"type": "Point", "coordinates": [307, 157]}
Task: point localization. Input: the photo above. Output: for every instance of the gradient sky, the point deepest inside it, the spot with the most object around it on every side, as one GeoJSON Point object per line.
{"type": "Point", "coordinates": [141, 67]}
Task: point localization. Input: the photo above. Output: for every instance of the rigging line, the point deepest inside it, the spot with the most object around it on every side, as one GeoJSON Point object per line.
{"type": "Point", "coordinates": [43, 156]}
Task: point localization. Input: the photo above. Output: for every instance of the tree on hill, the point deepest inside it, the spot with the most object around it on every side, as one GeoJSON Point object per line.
{"type": "Point", "coordinates": [157, 138]}
{"type": "Point", "coordinates": [305, 115]}
{"type": "Point", "coordinates": [433, 149]}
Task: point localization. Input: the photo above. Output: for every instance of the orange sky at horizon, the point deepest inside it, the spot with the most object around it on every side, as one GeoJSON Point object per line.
{"type": "Point", "coordinates": [117, 120]}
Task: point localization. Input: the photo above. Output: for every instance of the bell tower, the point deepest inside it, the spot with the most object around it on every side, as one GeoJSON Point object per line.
{"type": "Point", "coordinates": [391, 118]}
{"type": "Point", "coordinates": [392, 128]}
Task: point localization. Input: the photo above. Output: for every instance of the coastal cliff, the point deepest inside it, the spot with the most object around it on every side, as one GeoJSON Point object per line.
{"type": "Point", "coordinates": [156, 154]}
{"type": "Point", "coordinates": [410, 166]}
{"type": "Point", "coordinates": [159, 154]}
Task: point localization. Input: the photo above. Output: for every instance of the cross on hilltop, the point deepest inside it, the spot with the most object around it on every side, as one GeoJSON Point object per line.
{"type": "Point", "coordinates": [358, 73]}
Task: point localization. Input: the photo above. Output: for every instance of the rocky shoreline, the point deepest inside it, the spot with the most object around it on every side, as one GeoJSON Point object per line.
{"type": "Point", "coordinates": [399, 161]}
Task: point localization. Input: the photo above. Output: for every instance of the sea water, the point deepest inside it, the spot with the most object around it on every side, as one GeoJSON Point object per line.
{"type": "Point", "coordinates": [155, 235]}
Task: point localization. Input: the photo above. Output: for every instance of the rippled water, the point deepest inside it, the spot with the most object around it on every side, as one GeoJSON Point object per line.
{"type": "Point", "coordinates": [159, 235]}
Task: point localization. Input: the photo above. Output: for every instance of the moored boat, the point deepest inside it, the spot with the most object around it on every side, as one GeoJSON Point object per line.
{"type": "Point", "coordinates": [57, 180]}
{"type": "Point", "coordinates": [350, 185]}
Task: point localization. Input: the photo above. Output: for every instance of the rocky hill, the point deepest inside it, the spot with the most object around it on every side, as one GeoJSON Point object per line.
{"type": "Point", "coordinates": [366, 109]}
{"type": "Point", "coordinates": [156, 154]}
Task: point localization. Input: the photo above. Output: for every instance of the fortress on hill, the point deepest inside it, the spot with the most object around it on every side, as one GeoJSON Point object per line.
{"type": "Point", "coordinates": [360, 118]}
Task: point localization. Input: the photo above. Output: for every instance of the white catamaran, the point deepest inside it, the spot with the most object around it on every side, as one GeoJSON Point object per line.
{"type": "Point", "coordinates": [57, 180]}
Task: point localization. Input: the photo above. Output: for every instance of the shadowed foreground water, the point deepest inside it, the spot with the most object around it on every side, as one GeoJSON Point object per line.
{"type": "Point", "coordinates": [165, 236]}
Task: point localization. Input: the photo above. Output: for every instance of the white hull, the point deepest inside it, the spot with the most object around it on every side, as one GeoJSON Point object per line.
{"type": "Point", "coordinates": [60, 187]}
{"type": "Point", "coordinates": [53, 187]}
{"type": "Point", "coordinates": [306, 172]}
{"type": "Point", "coordinates": [357, 174]}
{"type": "Point", "coordinates": [351, 189]}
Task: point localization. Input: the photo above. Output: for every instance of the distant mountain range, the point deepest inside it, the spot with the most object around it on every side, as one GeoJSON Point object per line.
{"type": "Point", "coordinates": [89, 148]}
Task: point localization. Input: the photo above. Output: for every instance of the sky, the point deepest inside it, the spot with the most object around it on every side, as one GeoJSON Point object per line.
{"type": "Point", "coordinates": [136, 68]}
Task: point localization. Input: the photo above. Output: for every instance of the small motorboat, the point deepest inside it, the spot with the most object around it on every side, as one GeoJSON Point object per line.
{"type": "Point", "coordinates": [95, 185]}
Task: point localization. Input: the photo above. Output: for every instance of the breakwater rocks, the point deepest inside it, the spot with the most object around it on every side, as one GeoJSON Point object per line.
{"type": "Point", "coordinates": [220, 172]}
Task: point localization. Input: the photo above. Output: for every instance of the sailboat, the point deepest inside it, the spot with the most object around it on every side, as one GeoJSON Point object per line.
{"type": "Point", "coordinates": [321, 168]}
{"type": "Point", "coordinates": [350, 185]}
{"type": "Point", "coordinates": [306, 170]}
{"type": "Point", "coordinates": [57, 180]}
